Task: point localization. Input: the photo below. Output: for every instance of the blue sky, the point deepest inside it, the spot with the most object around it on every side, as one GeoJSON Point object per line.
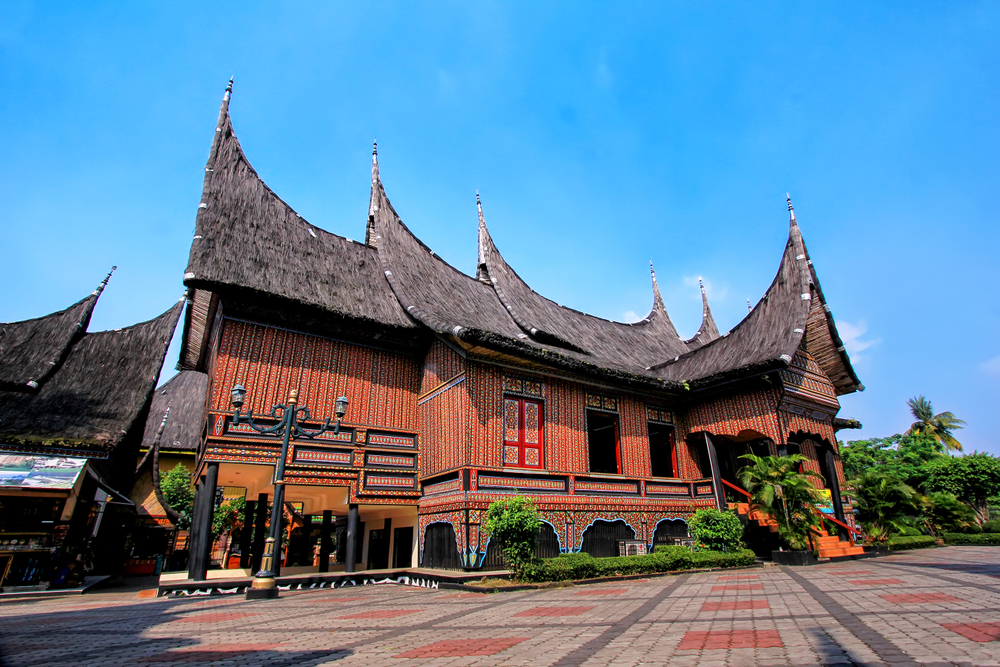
{"type": "Point", "coordinates": [601, 136]}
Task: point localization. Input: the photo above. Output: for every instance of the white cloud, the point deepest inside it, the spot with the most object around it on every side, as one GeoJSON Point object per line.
{"type": "Point", "coordinates": [851, 335]}
{"type": "Point", "coordinates": [630, 317]}
{"type": "Point", "coordinates": [991, 367]}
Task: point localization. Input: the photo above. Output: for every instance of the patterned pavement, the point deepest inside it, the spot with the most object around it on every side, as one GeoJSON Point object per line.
{"type": "Point", "coordinates": [931, 607]}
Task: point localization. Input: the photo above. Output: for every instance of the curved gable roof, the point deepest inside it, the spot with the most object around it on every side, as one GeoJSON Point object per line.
{"type": "Point", "coordinates": [246, 236]}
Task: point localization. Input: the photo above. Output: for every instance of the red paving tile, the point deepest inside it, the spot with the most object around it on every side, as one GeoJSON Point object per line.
{"type": "Point", "coordinates": [875, 582]}
{"type": "Point", "coordinates": [460, 648]}
{"type": "Point", "coordinates": [738, 587]}
{"type": "Point", "coordinates": [706, 640]}
{"type": "Point", "coordinates": [917, 598]}
{"type": "Point", "coordinates": [603, 591]}
{"type": "Point", "coordinates": [736, 577]}
{"type": "Point", "coordinates": [849, 573]}
{"type": "Point", "coordinates": [208, 654]}
{"type": "Point", "coordinates": [335, 599]}
{"type": "Point", "coordinates": [554, 611]}
{"type": "Point", "coordinates": [977, 632]}
{"type": "Point", "coordinates": [383, 613]}
{"type": "Point", "coordinates": [738, 604]}
{"type": "Point", "coordinates": [218, 617]}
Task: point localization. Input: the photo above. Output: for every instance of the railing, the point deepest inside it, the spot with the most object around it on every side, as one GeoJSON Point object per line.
{"type": "Point", "coordinates": [736, 488]}
{"type": "Point", "coordinates": [841, 524]}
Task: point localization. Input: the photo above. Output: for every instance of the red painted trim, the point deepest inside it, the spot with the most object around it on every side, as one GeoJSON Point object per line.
{"type": "Point", "coordinates": [736, 488]}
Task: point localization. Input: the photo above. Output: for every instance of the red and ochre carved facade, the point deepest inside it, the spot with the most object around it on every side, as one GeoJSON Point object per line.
{"type": "Point", "coordinates": [468, 389]}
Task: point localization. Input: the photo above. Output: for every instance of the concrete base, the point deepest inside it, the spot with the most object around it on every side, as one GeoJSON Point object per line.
{"type": "Point", "coordinates": [261, 593]}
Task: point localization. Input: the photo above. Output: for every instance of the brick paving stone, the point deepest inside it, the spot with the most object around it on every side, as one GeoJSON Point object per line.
{"type": "Point", "coordinates": [977, 632]}
{"type": "Point", "coordinates": [875, 582]}
{"type": "Point", "coordinates": [216, 617]}
{"type": "Point", "coordinates": [463, 648]}
{"type": "Point", "coordinates": [603, 591]}
{"type": "Point", "coordinates": [738, 587]}
{"type": "Point", "coordinates": [554, 611]}
{"type": "Point", "coordinates": [704, 640]}
{"type": "Point", "coordinates": [919, 598]}
{"type": "Point", "coordinates": [736, 577]}
{"type": "Point", "coordinates": [735, 605]}
{"type": "Point", "coordinates": [383, 613]}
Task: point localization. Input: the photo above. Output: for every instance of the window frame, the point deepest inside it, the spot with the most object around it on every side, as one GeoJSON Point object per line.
{"type": "Point", "coordinates": [521, 444]}
{"type": "Point", "coordinates": [618, 443]}
{"type": "Point", "coordinates": [672, 445]}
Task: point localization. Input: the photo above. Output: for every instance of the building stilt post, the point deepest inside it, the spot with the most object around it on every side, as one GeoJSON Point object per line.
{"type": "Point", "coordinates": [350, 557]}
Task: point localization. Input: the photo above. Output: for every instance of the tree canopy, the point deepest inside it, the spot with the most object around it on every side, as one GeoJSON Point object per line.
{"type": "Point", "coordinates": [938, 426]}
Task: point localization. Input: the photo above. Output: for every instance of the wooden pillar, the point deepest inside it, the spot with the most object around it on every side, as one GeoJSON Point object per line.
{"type": "Point", "coordinates": [838, 505]}
{"type": "Point", "coordinates": [352, 531]}
{"type": "Point", "coordinates": [200, 550]}
{"type": "Point", "coordinates": [259, 534]}
{"type": "Point", "coordinates": [324, 541]}
{"type": "Point", "coordinates": [713, 460]}
{"type": "Point", "coordinates": [246, 535]}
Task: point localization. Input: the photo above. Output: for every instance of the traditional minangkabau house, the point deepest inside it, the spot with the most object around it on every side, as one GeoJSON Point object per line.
{"type": "Point", "coordinates": [466, 389]}
{"type": "Point", "coordinates": [73, 404]}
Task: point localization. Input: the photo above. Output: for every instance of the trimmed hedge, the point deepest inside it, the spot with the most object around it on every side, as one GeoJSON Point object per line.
{"type": "Point", "coordinates": [665, 559]}
{"type": "Point", "coordinates": [965, 538]}
{"type": "Point", "coordinates": [910, 542]}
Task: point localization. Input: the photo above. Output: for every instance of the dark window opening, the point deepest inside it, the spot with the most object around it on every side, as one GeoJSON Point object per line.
{"type": "Point", "coordinates": [662, 452]}
{"type": "Point", "coordinates": [601, 539]}
{"type": "Point", "coordinates": [602, 441]}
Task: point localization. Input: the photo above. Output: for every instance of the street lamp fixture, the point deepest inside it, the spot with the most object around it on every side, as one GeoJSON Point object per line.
{"type": "Point", "coordinates": [288, 416]}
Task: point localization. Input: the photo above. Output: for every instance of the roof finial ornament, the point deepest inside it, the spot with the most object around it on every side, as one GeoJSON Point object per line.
{"type": "Point", "coordinates": [375, 146]}
{"type": "Point", "coordinates": [104, 283]}
{"type": "Point", "coordinates": [748, 304]}
{"type": "Point", "coordinates": [791, 209]}
{"type": "Point", "coordinates": [229, 90]}
{"type": "Point", "coordinates": [657, 297]}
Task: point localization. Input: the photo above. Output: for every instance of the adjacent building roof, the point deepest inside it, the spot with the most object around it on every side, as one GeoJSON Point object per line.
{"type": "Point", "coordinates": [181, 401]}
{"type": "Point", "coordinates": [32, 350]}
{"type": "Point", "coordinates": [93, 398]}
{"type": "Point", "coordinates": [247, 237]}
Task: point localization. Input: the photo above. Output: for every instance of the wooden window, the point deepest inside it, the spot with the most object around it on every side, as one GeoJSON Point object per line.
{"type": "Point", "coordinates": [662, 451]}
{"type": "Point", "coordinates": [523, 433]}
{"type": "Point", "coordinates": [602, 442]}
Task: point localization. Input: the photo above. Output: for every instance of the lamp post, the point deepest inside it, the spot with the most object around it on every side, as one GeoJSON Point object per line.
{"type": "Point", "coordinates": [287, 416]}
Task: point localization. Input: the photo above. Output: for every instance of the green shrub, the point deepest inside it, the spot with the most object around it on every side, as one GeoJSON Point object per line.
{"type": "Point", "coordinates": [514, 523]}
{"type": "Point", "coordinates": [716, 531]}
{"type": "Point", "coordinates": [569, 567]}
{"type": "Point", "coordinates": [991, 527]}
{"type": "Point", "coordinates": [909, 531]}
{"type": "Point", "coordinates": [964, 538]}
{"type": "Point", "coordinates": [910, 542]}
{"type": "Point", "coordinates": [972, 529]}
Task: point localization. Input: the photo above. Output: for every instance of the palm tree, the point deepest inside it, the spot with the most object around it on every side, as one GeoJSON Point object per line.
{"type": "Point", "coordinates": [881, 500]}
{"type": "Point", "coordinates": [784, 493]}
{"type": "Point", "coordinates": [938, 426]}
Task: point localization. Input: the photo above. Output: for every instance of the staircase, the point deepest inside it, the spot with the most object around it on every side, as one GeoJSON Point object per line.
{"type": "Point", "coordinates": [831, 546]}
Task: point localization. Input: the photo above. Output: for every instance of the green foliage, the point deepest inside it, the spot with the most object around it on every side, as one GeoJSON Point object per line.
{"type": "Point", "coordinates": [880, 500]}
{"type": "Point", "coordinates": [716, 531]}
{"type": "Point", "coordinates": [902, 456]}
{"type": "Point", "coordinates": [991, 527]}
{"type": "Point", "coordinates": [785, 494]}
{"type": "Point", "coordinates": [962, 538]}
{"type": "Point", "coordinates": [943, 512]}
{"type": "Point", "coordinates": [910, 542]}
{"type": "Point", "coordinates": [973, 478]}
{"type": "Point", "coordinates": [938, 426]}
{"type": "Point", "coordinates": [569, 567]}
{"type": "Point", "coordinates": [179, 493]}
{"type": "Point", "coordinates": [228, 516]}
{"type": "Point", "coordinates": [909, 531]}
{"type": "Point", "coordinates": [513, 523]}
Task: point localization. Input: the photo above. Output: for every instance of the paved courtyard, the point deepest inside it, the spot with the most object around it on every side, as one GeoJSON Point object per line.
{"type": "Point", "coordinates": [931, 607]}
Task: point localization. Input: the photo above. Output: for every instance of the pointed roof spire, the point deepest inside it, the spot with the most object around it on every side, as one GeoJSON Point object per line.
{"type": "Point", "coordinates": [370, 234]}
{"type": "Point", "coordinates": [708, 330]}
{"type": "Point", "coordinates": [791, 209]}
{"type": "Point", "coordinates": [657, 297]}
{"type": "Point", "coordinates": [748, 305]}
{"type": "Point", "coordinates": [482, 272]}
{"type": "Point", "coordinates": [104, 283]}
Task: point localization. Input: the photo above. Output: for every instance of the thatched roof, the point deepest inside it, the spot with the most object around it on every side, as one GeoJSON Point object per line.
{"type": "Point", "coordinates": [184, 395]}
{"type": "Point", "coordinates": [32, 350]}
{"type": "Point", "coordinates": [94, 398]}
{"type": "Point", "coordinates": [247, 238]}
{"type": "Point", "coordinates": [792, 312]}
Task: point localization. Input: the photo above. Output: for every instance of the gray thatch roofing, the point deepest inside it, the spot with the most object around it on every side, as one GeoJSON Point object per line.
{"type": "Point", "coordinates": [792, 312]}
{"type": "Point", "coordinates": [94, 398]}
{"type": "Point", "coordinates": [184, 394]}
{"type": "Point", "coordinates": [247, 237]}
{"type": "Point", "coordinates": [32, 350]}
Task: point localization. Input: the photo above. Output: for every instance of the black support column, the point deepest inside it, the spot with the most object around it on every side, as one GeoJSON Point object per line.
{"type": "Point", "coordinates": [713, 459]}
{"type": "Point", "coordinates": [838, 505]}
{"type": "Point", "coordinates": [200, 549]}
{"type": "Point", "coordinates": [259, 534]}
{"type": "Point", "coordinates": [350, 558]}
{"type": "Point", "coordinates": [324, 541]}
{"type": "Point", "coordinates": [246, 534]}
